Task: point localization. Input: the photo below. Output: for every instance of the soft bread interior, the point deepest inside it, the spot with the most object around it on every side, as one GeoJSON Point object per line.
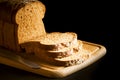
{"type": "Point", "coordinates": [54, 38]}
{"type": "Point", "coordinates": [29, 20]}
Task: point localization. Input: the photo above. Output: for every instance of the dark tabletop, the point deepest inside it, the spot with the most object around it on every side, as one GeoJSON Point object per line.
{"type": "Point", "coordinates": [10, 73]}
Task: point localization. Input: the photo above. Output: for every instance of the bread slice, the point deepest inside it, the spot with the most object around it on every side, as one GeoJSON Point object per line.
{"type": "Point", "coordinates": [29, 20]}
{"type": "Point", "coordinates": [56, 40]}
{"type": "Point", "coordinates": [68, 51]}
{"type": "Point", "coordinates": [78, 56]}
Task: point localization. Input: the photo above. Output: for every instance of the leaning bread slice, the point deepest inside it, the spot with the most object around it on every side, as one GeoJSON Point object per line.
{"type": "Point", "coordinates": [65, 52]}
{"type": "Point", "coordinates": [56, 40]}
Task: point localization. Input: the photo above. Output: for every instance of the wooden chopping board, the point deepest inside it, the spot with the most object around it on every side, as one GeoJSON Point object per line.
{"type": "Point", "coordinates": [10, 59]}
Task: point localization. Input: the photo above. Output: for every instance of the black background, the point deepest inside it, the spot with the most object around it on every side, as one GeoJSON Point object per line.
{"type": "Point", "coordinates": [93, 22]}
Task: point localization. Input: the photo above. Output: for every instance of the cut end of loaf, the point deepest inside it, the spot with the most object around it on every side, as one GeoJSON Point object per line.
{"type": "Point", "coordinates": [29, 20]}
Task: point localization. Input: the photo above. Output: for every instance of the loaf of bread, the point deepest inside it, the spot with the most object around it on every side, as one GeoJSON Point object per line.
{"type": "Point", "coordinates": [22, 30]}
{"type": "Point", "coordinates": [20, 21]}
{"type": "Point", "coordinates": [68, 52]}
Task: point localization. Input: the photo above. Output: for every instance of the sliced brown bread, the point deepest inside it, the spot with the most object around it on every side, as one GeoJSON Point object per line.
{"type": "Point", "coordinates": [56, 40]}
{"type": "Point", "coordinates": [22, 28]}
{"type": "Point", "coordinates": [53, 41]}
{"type": "Point", "coordinates": [64, 52]}
{"type": "Point", "coordinates": [78, 57]}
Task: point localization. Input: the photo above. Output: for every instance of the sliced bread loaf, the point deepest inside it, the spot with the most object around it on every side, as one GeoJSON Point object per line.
{"type": "Point", "coordinates": [78, 56]}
